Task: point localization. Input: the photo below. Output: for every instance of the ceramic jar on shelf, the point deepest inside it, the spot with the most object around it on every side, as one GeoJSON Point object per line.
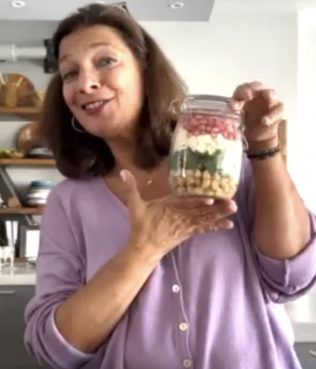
{"type": "Point", "coordinates": [38, 192]}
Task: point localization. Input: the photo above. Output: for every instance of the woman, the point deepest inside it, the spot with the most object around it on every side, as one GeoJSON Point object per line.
{"type": "Point", "coordinates": [129, 276]}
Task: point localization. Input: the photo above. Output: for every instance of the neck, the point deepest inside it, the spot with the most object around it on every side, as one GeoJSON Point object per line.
{"type": "Point", "coordinates": [151, 183]}
{"type": "Point", "coordinates": [124, 154]}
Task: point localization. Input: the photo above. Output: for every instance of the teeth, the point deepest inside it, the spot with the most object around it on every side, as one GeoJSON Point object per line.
{"type": "Point", "coordinates": [94, 105]}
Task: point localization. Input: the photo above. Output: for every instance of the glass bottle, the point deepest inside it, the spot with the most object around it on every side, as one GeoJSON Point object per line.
{"type": "Point", "coordinates": [207, 146]}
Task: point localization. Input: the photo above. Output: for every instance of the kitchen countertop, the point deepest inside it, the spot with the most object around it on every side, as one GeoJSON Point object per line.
{"type": "Point", "coordinates": [302, 312]}
{"type": "Point", "coordinates": [22, 274]}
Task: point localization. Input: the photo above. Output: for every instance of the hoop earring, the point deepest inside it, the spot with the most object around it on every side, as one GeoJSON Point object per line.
{"type": "Point", "coordinates": [75, 126]}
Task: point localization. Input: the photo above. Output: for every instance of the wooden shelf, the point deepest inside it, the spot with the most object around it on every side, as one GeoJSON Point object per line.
{"type": "Point", "coordinates": [20, 259]}
{"type": "Point", "coordinates": [28, 162]}
{"type": "Point", "coordinates": [22, 211]}
{"type": "Point", "coordinates": [21, 110]}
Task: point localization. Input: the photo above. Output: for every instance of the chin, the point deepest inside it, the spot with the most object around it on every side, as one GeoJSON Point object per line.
{"type": "Point", "coordinates": [107, 128]}
{"type": "Point", "coordinates": [106, 133]}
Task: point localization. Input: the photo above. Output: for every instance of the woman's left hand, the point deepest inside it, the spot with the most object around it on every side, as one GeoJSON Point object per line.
{"type": "Point", "coordinates": [262, 114]}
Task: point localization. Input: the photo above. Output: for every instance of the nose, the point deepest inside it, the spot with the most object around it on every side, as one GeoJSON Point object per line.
{"type": "Point", "coordinates": [88, 83]}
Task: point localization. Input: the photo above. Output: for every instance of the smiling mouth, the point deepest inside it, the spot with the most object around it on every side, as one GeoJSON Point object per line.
{"type": "Point", "coordinates": [94, 105]}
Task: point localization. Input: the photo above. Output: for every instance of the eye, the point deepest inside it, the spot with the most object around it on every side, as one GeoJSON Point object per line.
{"type": "Point", "coordinates": [68, 76]}
{"type": "Point", "coordinates": [106, 61]}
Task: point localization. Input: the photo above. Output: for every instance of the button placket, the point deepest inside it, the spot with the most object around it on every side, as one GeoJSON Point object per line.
{"type": "Point", "coordinates": [187, 363]}
{"type": "Point", "coordinates": [183, 325]}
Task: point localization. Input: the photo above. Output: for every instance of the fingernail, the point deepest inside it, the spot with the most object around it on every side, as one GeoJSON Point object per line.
{"type": "Point", "coordinates": [123, 175]}
{"type": "Point", "coordinates": [233, 206]}
{"type": "Point", "coordinates": [249, 93]}
{"type": "Point", "coordinates": [266, 121]}
{"type": "Point", "coordinates": [209, 201]}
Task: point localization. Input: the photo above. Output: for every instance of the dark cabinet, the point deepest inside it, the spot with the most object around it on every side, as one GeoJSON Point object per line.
{"type": "Point", "coordinates": [303, 350]}
{"type": "Point", "coordinates": [13, 354]}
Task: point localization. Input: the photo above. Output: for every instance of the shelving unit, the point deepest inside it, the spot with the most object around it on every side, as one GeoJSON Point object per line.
{"type": "Point", "coordinates": [7, 188]}
{"type": "Point", "coordinates": [24, 214]}
{"type": "Point", "coordinates": [22, 211]}
{"type": "Point", "coordinates": [23, 111]}
{"type": "Point", "coordinates": [20, 110]}
{"type": "Point", "coordinates": [27, 162]}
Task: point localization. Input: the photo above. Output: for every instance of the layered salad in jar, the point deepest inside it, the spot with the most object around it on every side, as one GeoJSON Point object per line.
{"type": "Point", "coordinates": [206, 155]}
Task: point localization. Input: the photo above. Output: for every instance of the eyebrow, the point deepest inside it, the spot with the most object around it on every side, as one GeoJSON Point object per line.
{"type": "Point", "coordinates": [94, 45]}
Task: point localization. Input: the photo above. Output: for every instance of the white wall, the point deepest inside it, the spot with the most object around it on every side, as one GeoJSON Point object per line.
{"type": "Point", "coordinates": [239, 44]}
{"type": "Point", "coordinates": [304, 144]}
{"type": "Point", "coordinates": [233, 48]}
{"type": "Point", "coordinates": [303, 149]}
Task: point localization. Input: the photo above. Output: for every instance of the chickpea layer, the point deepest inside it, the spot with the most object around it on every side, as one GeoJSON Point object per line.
{"type": "Point", "coordinates": [196, 182]}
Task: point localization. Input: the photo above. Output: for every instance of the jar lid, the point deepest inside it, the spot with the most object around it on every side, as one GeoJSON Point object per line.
{"type": "Point", "coordinates": [208, 98]}
{"type": "Point", "coordinates": [204, 102]}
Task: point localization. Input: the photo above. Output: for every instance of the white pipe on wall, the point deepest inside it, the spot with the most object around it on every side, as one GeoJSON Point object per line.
{"type": "Point", "coordinates": [12, 52]}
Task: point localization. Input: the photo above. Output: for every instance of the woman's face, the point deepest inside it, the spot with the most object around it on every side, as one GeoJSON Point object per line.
{"type": "Point", "coordinates": [102, 81]}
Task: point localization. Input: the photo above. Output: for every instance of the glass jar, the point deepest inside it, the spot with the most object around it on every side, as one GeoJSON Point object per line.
{"type": "Point", "coordinates": [206, 151]}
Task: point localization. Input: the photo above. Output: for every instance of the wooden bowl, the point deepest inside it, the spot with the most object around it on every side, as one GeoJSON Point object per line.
{"type": "Point", "coordinates": [27, 138]}
{"type": "Point", "coordinates": [25, 90]}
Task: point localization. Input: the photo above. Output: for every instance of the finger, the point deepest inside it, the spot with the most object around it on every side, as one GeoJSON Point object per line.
{"type": "Point", "coordinates": [192, 202]}
{"type": "Point", "coordinates": [224, 208]}
{"type": "Point", "coordinates": [274, 116]}
{"type": "Point", "coordinates": [194, 215]}
{"type": "Point", "coordinates": [224, 224]}
{"type": "Point", "coordinates": [219, 210]}
{"type": "Point", "coordinates": [237, 105]}
{"type": "Point", "coordinates": [221, 225]}
{"type": "Point", "coordinates": [199, 206]}
{"type": "Point", "coordinates": [270, 96]}
{"type": "Point", "coordinates": [246, 91]}
{"type": "Point", "coordinates": [132, 195]}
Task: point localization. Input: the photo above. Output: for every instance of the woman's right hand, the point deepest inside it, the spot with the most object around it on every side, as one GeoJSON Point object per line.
{"type": "Point", "coordinates": [161, 225]}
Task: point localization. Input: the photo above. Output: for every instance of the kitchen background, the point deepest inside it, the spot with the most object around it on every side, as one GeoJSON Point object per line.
{"type": "Point", "coordinates": [217, 47]}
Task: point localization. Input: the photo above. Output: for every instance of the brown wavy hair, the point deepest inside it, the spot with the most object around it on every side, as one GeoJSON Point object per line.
{"type": "Point", "coordinates": [81, 154]}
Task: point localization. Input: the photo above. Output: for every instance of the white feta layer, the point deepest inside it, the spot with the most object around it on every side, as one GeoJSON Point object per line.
{"type": "Point", "coordinates": [203, 143]}
{"type": "Point", "coordinates": [232, 161]}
